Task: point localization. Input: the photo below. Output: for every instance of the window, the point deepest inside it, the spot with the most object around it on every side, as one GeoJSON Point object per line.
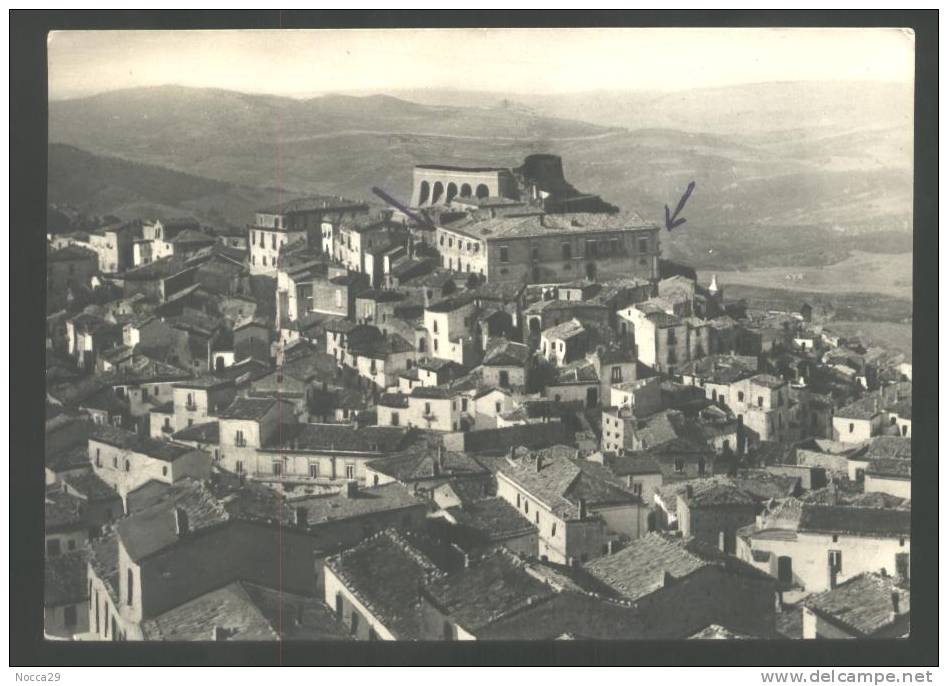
{"type": "Point", "coordinates": [463, 404]}
{"type": "Point", "coordinates": [69, 615]}
{"type": "Point", "coordinates": [504, 254]}
{"type": "Point", "coordinates": [115, 462]}
{"type": "Point", "coordinates": [671, 337]}
{"type": "Point", "coordinates": [852, 427]}
{"type": "Point", "coordinates": [616, 374]}
{"type": "Point", "coordinates": [239, 467]}
{"type": "Point", "coordinates": [313, 470]}
{"type": "Point", "coordinates": [144, 393]}
{"type": "Point", "coordinates": [497, 407]}
{"type": "Point", "coordinates": [164, 471]}
{"type": "Point", "coordinates": [526, 506]}
{"type": "Point", "coordinates": [504, 378]}
{"type": "Point", "coordinates": [239, 439]}
{"type": "Point", "coordinates": [637, 489]}
{"type": "Point", "coordinates": [518, 501]}
{"type": "Point", "coordinates": [591, 249]}
{"type": "Point", "coordinates": [679, 465]}
{"type": "Point", "coordinates": [395, 419]}
{"type": "Point", "coordinates": [740, 396]}
{"type": "Point", "coordinates": [264, 260]}
{"type": "Point", "coordinates": [553, 529]}
{"type": "Point", "coordinates": [536, 517]}
{"type": "Point", "coordinates": [436, 345]}
{"type": "Point", "coordinates": [760, 401]}
{"type": "Point", "coordinates": [835, 559]}
{"type": "Point", "coordinates": [277, 467]}
{"type": "Point", "coordinates": [190, 403]}
{"type": "Point", "coordinates": [128, 466]}
{"type": "Point", "coordinates": [354, 624]}
{"type": "Point", "coordinates": [130, 586]}
{"type": "Point", "coordinates": [350, 471]}
{"type": "Point", "coordinates": [273, 241]}
{"type": "Point", "coordinates": [98, 456]}
{"type": "Point", "coordinates": [643, 245]}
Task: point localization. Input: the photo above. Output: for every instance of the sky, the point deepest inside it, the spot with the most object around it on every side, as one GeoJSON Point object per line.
{"type": "Point", "coordinates": [531, 61]}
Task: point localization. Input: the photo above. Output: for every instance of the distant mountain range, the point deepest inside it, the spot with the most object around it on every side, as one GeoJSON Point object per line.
{"type": "Point", "coordinates": [777, 166]}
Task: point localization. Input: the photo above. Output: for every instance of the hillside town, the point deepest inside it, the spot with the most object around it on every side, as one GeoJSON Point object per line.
{"type": "Point", "coordinates": [489, 410]}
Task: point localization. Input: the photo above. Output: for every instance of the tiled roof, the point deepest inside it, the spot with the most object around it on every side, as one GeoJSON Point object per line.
{"type": "Point", "coordinates": [204, 383]}
{"type": "Point", "coordinates": [767, 380]}
{"type": "Point", "coordinates": [63, 511]}
{"type": "Point", "coordinates": [717, 494]}
{"type": "Point", "coordinates": [393, 400]}
{"type": "Point", "coordinates": [341, 438]}
{"type": "Point", "coordinates": [490, 589]}
{"type": "Point", "coordinates": [90, 485]}
{"type": "Point", "coordinates": [565, 330]}
{"type": "Point", "coordinates": [128, 440]}
{"type": "Point", "coordinates": [384, 573]}
{"type": "Point", "coordinates": [890, 469]}
{"type": "Point", "coordinates": [103, 559]}
{"type": "Point", "coordinates": [863, 604]}
{"type": "Point", "coordinates": [864, 408]}
{"type": "Point", "coordinates": [561, 483]}
{"type": "Point", "coordinates": [417, 465]}
{"type": "Point", "coordinates": [432, 392]}
{"type": "Point", "coordinates": [249, 408]}
{"type": "Point", "coordinates": [208, 432]}
{"type": "Point", "coordinates": [242, 611]}
{"type": "Point", "coordinates": [576, 372]}
{"type": "Point", "coordinates": [66, 579]}
{"type": "Point", "coordinates": [856, 521]}
{"type": "Point", "coordinates": [642, 567]}
{"type": "Point", "coordinates": [507, 354]}
{"type": "Point", "coordinates": [504, 227]}
{"type": "Point", "coordinates": [634, 464]}
{"type": "Point", "coordinates": [326, 203]}
{"type": "Point", "coordinates": [894, 447]}
{"type": "Point", "coordinates": [494, 517]}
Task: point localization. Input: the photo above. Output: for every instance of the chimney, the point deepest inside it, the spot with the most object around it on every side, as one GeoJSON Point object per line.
{"type": "Point", "coordinates": [180, 521]}
{"type": "Point", "coordinates": [351, 489]}
{"type": "Point", "coordinates": [299, 516]}
{"type": "Point", "coordinates": [722, 545]}
{"type": "Point", "coordinates": [539, 462]}
{"type": "Point", "coordinates": [610, 547]}
{"type": "Point", "coordinates": [218, 633]}
{"type": "Point", "coordinates": [467, 560]}
{"type": "Point", "coordinates": [582, 508]}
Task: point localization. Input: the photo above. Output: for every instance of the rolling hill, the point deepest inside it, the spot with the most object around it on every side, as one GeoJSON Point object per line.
{"type": "Point", "coordinates": [765, 196]}
{"type": "Point", "coordinates": [96, 185]}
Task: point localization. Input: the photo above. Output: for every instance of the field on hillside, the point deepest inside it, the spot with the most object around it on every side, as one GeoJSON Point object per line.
{"type": "Point", "coordinates": [861, 307]}
{"type": "Point", "coordinates": [888, 335]}
{"type": "Point", "coordinates": [861, 272]}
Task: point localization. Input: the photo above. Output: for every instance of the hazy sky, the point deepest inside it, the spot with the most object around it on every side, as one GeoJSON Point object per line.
{"type": "Point", "coordinates": [305, 62]}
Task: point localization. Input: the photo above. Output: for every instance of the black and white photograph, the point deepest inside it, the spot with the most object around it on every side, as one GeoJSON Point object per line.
{"type": "Point", "coordinates": [501, 334]}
